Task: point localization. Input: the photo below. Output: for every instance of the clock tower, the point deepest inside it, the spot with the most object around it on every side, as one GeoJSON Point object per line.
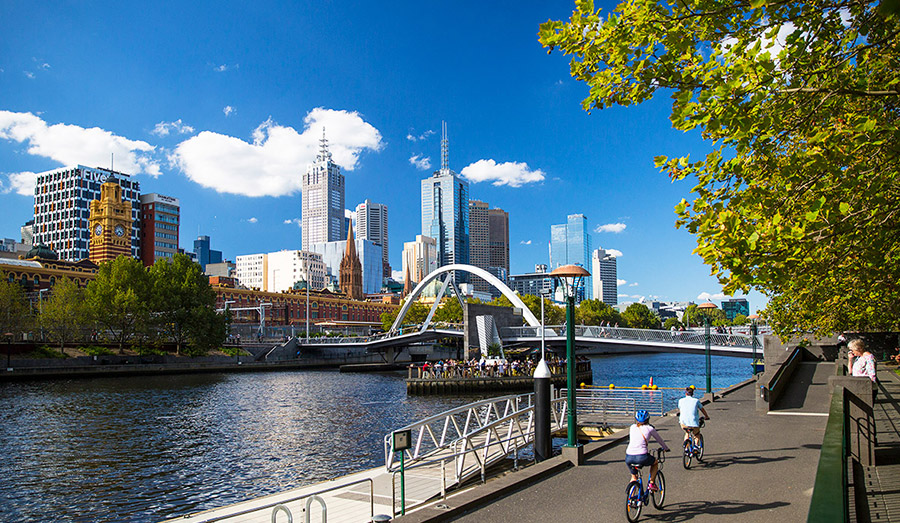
{"type": "Point", "coordinates": [110, 224]}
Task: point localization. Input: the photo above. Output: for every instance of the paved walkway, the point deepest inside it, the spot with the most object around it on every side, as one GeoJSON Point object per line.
{"type": "Point", "coordinates": [757, 467]}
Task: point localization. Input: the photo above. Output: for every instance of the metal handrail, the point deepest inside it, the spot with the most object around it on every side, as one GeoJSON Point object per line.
{"type": "Point", "coordinates": [297, 498]}
{"type": "Point", "coordinates": [831, 488]}
{"type": "Point", "coordinates": [646, 335]}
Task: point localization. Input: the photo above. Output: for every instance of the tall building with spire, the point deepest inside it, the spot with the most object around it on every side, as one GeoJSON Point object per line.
{"type": "Point", "coordinates": [351, 277]}
{"type": "Point", "coordinates": [445, 211]}
{"type": "Point", "coordinates": [323, 199]}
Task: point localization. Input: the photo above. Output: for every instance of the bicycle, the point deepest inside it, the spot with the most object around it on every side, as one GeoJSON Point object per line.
{"type": "Point", "coordinates": [636, 497]}
{"type": "Point", "coordinates": [693, 449]}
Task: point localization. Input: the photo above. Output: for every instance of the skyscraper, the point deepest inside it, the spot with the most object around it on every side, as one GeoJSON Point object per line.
{"type": "Point", "coordinates": [479, 242]}
{"type": "Point", "coordinates": [160, 217]}
{"type": "Point", "coordinates": [603, 272]}
{"type": "Point", "coordinates": [206, 255]}
{"type": "Point", "coordinates": [570, 243]}
{"type": "Point", "coordinates": [445, 211]}
{"type": "Point", "coordinates": [323, 200]}
{"type": "Point", "coordinates": [419, 258]}
{"type": "Point", "coordinates": [498, 238]}
{"type": "Point", "coordinates": [61, 209]}
{"type": "Point", "coordinates": [372, 225]}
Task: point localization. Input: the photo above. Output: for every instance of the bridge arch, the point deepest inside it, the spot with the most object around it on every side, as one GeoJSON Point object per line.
{"type": "Point", "coordinates": [471, 269]}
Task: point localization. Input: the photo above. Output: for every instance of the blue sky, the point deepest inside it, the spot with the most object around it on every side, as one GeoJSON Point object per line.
{"type": "Point", "coordinates": [221, 104]}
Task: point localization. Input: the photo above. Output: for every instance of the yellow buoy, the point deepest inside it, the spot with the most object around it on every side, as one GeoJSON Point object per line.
{"type": "Point", "coordinates": [582, 385]}
{"type": "Point", "coordinates": [643, 387]}
{"type": "Point", "coordinates": [612, 386]}
{"type": "Point", "coordinates": [654, 387]}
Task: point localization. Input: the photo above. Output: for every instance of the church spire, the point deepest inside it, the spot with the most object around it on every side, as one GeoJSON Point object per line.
{"type": "Point", "coordinates": [350, 274]}
{"type": "Point", "coordinates": [407, 285]}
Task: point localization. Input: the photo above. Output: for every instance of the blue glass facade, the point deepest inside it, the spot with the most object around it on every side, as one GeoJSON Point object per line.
{"type": "Point", "coordinates": [570, 243]}
{"type": "Point", "coordinates": [445, 217]}
{"type": "Point", "coordinates": [204, 253]}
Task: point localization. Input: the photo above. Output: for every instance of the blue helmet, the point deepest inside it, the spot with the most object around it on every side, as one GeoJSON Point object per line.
{"type": "Point", "coordinates": [642, 416]}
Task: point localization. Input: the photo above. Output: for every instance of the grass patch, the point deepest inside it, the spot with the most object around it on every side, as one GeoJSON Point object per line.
{"type": "Point", "coordinates": [234, 351]}
{"type": "Point", "coordinates": [45, 352]}
{"type": "Point", "coordinates": [94, 350]}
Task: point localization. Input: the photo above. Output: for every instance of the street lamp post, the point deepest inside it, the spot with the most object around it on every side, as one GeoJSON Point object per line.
{"type": "Point", "coordinates": [708, 306]}
{"type": "Point", "coordinates": [571, 277]}
{"type": "Point", "coordinates": [753, 341]}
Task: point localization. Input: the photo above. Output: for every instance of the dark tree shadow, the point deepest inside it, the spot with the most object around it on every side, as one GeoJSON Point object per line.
{"type": "Point", "coordinates": [690, 509]}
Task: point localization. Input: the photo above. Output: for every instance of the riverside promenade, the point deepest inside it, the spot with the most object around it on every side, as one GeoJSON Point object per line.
{"type": "Point", "coordinates": [757, 466]}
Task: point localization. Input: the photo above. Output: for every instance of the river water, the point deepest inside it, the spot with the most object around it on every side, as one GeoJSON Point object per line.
{"type": "Point", "coordinates": [150, 448]}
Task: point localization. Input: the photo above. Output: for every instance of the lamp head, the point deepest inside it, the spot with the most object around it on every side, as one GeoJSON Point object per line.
{"type": "Point", "coordinates": [570, 276]}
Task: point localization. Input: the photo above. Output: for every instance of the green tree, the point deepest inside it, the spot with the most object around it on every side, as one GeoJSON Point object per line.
{"type": "Point", "coordinates": [639, 316]}
{"type": "Point", "coordinates": [799, 102]}
{"type": "Point", "coordinates": [450, 311]}
{"type": "Point", "coordinates": [416, 314]}
{"type": "Point", "coordinates": [595, 312]}
{"type": "Point", "coordinates": [181, 295]}
{"type": "Point", "coordinates": [118, 298]}
{"type": "Point", "coordinates": [16, 316]}
{"type": "Point", "coordinates": [739, 319]}
{"type": "Point", "coordinates": [206, 330]}
{"type": "Point", "coordinates": [672, 322]}
{"type": "Point", "coordinates": [65, 314]}
{"type": "Point", "coordinates": [553, 314]}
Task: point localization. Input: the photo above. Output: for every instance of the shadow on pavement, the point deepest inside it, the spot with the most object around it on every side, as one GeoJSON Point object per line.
{"type": "Point", "coordinates": [717, 463]}
{"type": "Point", "coordinates": [690, 509]}
{"type": "Point", "coordinates": [795, 395]}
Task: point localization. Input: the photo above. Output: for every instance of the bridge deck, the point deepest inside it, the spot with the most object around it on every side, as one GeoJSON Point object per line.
{"type": "Point", "coordinates": [757, 467]}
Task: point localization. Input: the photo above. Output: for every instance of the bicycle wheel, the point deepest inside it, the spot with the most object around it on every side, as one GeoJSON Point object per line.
{"type": "Point", "coordinates": [687, 455]}
{"type": "Point", "coordinates": [633, 502]}
{"type": "Point", "coordinates": [700, 447]}
{"type": "Point", "coordinates": [659, 497]}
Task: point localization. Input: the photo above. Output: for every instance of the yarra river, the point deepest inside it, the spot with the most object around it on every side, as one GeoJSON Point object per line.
{"type": "Point", "coordinates": [151, 448]}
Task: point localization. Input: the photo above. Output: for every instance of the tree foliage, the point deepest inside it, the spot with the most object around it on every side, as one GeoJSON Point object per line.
{"type": "Point", "coordinates": [799, 101]}
{"type": "Point", "coordinates": [595, 312]}
{"type": "Point", "coordinates": [182, 300]}
{"type": "Point", "coordinates": [119, 298]}
{"type": "Point", "coordinates": [64, 314]}
{"type": "Point", "coordinates": [15, 310]}
{"type": "Point", "coordinates": [639, 316]}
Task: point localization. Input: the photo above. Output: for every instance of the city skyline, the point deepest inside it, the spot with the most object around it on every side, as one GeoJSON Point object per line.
{"type": "Point", "coordinates": [229, 128]}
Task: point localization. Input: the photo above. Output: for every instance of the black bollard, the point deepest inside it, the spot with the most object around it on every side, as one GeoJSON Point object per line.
{"type": "Point", "coordinates": [542, 442]}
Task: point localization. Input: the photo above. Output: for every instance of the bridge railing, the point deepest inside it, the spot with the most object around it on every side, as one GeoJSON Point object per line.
{"type": "Point", "coordinates": [644, 335]}
{"type": "Point", "coordinates": [339, 340]}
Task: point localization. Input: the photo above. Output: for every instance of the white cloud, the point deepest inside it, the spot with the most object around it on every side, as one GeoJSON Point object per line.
{"type": "Point", "coordinates": [621, 282]}
{"type": "Point", "coordinates": [221, 68]}
{"type": "Point", "coordinates": [297, 221]}
{"type": "Point", "coordinates": [422, 164]}
{"type": "Point", "coordinates": [398, 275]}
{"type": "Point", "coordinates": [29, 74]}
{"type": "Point", "coordinates": [559, 82]}
{"type": "Point", "coordinates": [252, 219]}
{"type": "Point", "coordinates": [228, 110]}
{"type": "Point", "coordinates": [271, 165]}
{"type": "Point", "coordinates": [20, 183]}
{"type": "Point", "coordinates": [350, 214]}
{"type": "Point", "coordinates": [525, 242]}
{"type": "Point", "coordinates": [513, 174]}
{"type": "Point", "coordinates": [611, 227]}
{"type": "Point", "coordinates": [705, 296]}
{"type": "Point", "coordinates": [45, 65]}
{"type": "Point", "coordinates": [71, 145]}
{"type": "Point", "coordinates": [615, 253]}
{"type": "Point", "coordinates": [413, 138]}
{"type": "Point", "coordinates": [633, 284]}
{"type": "Point", "coordinates": [164, 128]}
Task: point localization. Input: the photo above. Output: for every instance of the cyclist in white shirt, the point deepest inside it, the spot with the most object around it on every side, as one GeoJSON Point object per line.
{"type": "Point", "coordinates": [689, 417]}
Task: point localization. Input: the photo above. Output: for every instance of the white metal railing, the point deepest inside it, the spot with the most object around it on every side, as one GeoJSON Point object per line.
{"type": "Point", "coordinates": [616, 405]}
{"type": "Point", "coordinates": [411, 331]}
{"type": "Point", "coordinates": [646, 335]}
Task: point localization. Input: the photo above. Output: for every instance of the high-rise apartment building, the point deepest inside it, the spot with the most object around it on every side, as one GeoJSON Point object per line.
{"type": "Point", "coordinates": [734, 306]}
{"type": "Point", "coordinates": [537, 283]}
{"type": "Point", "coordinates": [372, 225]}
{"type": "Point", "coordinates": [27, 231]}
{"type": "Point", "coordinates": [570, 244]}
{"type": "Point", "coordinates": [280, 271]}
{"type": "Point", "coordinates": [445, 211]}
{"type": "Point", "coordinates": [498, 238]}
{"type": "Point", "coordinates": [205, 254]}
{"type": "Point", "coordinates": [62, 209]}
{"type": "Point", "coordinates": [604, 274]}
{"type": "Point", "coordinates": [419, 258]}
{"type": "Point", "coordinates": [323, 200]}
{"type": "Point", "coordinates": [160, 220]}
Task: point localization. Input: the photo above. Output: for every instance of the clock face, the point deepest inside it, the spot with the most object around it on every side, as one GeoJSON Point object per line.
{"type": "Point", "coordinates": [98, 230]}
{"type": "Point", "coordinates": [119, 230]}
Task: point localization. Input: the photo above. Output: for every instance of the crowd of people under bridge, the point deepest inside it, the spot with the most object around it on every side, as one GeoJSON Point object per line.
{"type": "Point", "coordinates": [488, 368]}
